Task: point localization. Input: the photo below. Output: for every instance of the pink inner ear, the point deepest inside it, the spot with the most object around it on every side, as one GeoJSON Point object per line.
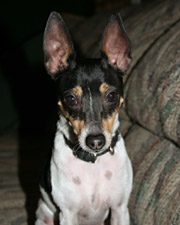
{"type": "Point", "coordinates": [57, 48]}
{"type": "Point", "coordinates": [115, 45]}
{"type": "Point", "coordinates": [120, 60]}
{"type": "Point", "coordinates": [58, 56]}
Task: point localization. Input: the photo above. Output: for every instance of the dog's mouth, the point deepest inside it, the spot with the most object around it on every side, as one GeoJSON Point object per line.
{"type": "Point", "coordinates": [90, 144]}
{"type": "Point", "coordinates": [93, 137]}
{"type": "Point", "coordinates": [90, 154]}
{"type": "Point", "coordinates": [77, 147]}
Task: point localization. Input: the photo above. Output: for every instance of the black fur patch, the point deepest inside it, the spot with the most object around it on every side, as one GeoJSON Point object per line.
{"type": "Point", "coordinates": [46, 177]}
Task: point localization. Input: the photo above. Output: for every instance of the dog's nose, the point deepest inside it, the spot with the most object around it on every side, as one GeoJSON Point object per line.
{"type": "Point", "coordinates": [95, 142]}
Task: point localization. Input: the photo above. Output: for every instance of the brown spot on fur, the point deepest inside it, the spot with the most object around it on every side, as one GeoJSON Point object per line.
{"type": "Point", "coordinates": [104, 87]}
{"type": "Point", "coordinates": [108, 174]}
{"type": "Point", "coordinates": [78, 125]}
{"type": "Point", "coordinates": [77, 180]}
{"type": "Point", "coordinates": [77, 91]}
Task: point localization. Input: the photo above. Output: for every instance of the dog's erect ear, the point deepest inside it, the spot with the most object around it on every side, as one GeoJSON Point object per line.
{"type": "Point", "coordinates": [116, 45]}
{"type": "Point", "coordinates": [58, 47]}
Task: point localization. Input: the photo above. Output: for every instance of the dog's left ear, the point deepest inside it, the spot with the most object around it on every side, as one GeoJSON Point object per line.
{"type": "Point", "coordinates": [116, 46]}
{"type": "Point", "coordinates": [58, 47]}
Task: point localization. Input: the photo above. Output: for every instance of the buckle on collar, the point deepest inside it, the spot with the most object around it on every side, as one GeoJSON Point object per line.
{"type": "Point", "coordinates": [111, 150]}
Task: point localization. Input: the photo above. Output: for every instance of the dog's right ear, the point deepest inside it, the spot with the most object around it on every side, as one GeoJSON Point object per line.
{"type": "Point", "coordinates": [58, 46]}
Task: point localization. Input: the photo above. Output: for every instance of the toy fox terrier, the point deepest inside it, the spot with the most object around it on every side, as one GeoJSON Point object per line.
{"type": "Point", "coordinates": [89, 173]}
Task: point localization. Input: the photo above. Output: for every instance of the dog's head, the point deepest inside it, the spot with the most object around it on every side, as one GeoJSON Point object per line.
{"type": "Point", "coordinates": [90, 92]}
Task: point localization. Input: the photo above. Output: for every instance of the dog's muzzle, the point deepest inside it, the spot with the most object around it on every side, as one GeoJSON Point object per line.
{"type": "Point", "coordinates": [88, 156]}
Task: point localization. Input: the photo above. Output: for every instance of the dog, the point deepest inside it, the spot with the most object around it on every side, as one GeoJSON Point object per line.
{"type": "Point", "coordinates": [89, 175]}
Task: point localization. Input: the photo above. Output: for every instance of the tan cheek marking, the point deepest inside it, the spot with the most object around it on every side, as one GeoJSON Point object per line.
{"type": "Point", "coordinates": [107, 124]}
{"type": "Point", "coordinates": [66, 114]}
{"type": "Point", "coordinates": [77, 91]}
{"type": "Point", "coordinates": [103, 88]}
{"type": "Point", "coordinates": [78, 125]}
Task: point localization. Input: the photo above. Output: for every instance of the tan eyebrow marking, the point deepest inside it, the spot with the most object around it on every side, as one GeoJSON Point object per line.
{"type": "Point", "coordinates": [77, 90]}
{"type": "Point", "coordinates": [104, 87]}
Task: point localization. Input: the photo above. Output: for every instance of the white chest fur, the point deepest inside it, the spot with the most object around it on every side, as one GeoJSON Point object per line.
{"type": "Point", "coordinates": [88, 190]}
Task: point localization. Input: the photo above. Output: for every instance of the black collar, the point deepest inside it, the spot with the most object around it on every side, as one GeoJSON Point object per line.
{"type": "Point", "coordinates": [87, 156]}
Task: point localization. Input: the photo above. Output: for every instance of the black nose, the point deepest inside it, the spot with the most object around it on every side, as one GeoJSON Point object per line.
{"type": "Point", "coordinates": [95, 142]}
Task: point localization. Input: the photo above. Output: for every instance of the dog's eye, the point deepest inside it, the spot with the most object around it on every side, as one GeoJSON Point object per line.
{"type": "Point", "coordinates": [112, 97]}
{"type": "Point", "coordinates": [70, 100]}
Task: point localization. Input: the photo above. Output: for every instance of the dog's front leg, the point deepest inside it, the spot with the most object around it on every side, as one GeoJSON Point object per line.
{"type": "Point", "coordinates": [120, 215]}
{"type": "Point", "coordinates": [68, 217]}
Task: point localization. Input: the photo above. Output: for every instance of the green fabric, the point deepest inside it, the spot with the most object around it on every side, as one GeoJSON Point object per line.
{"type": "Point", "coordinates": [154, 87]}
{"type": "Point", "coordinates": [156, 188]}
